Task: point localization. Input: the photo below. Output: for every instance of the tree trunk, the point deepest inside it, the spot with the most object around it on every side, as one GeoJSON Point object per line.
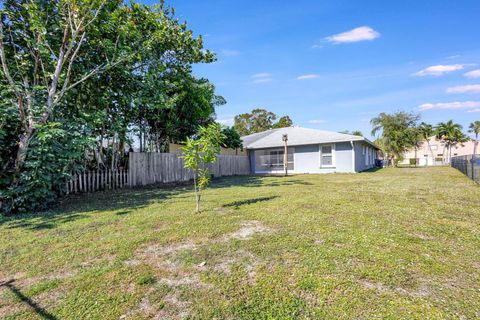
{"type": "Point", "coordinates": [23, 144]}
{"type": "Point", "coordinates": [431, 152]}
{"type": "Point", "coordinates": [475, 146]}
{"type": "Point", "coordinates": [415, 157]}
{"type": "Point", "coordinates": [197, 192]}
{"type": "Point", "coordinates": [197, 199]}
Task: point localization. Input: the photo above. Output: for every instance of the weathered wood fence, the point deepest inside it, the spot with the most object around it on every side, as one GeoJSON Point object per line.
{"type": "Point", "coordinates": [146, 168]}
{"type": "Point", "coordinates": [90, 181]}
{"type": "Point", "coordinates": [151, 167]}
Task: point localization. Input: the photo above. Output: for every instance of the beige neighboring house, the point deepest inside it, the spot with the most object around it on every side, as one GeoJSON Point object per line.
{"type": "Point", "coordinates": [439, 150]}
{"type": "Point", "coordinates": [177, 149]}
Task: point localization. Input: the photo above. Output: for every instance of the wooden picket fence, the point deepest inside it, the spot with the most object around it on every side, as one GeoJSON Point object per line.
{"type": "Point", "coordinates": [151, 167]}
{"type": "Point", "coordinates": [146, 168]}
{"type": "Point", "coordinates": [91, 181]}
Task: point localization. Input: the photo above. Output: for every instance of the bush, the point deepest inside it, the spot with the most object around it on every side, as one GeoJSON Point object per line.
{"type": "Point", "coordinates": [54, 152]}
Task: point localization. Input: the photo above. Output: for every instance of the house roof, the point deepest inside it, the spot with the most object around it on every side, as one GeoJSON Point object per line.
{"type": "Point", "coordinates": [297, 136]}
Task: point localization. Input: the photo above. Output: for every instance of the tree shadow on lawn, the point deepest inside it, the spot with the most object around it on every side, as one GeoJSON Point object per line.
{"type": "Point", "coordinates": [80, 206]}
{"type": "Point", "coordinates": [41, 312]}
{"type": "Point", "coordinates": [126, 201]}
{"type": "Point", "coordinates": [257, 181]}
{"type": "Point", "coordinates": [238, 204]}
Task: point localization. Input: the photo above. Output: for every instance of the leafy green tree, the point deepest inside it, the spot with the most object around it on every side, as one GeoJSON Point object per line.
{"type": "Point", "coordinates": [232, 138]}
{"type": "Point", "coordinates": [93, 68]}
{"type": "Point", "coordinates": [354, 132]}
{"type": "Point", "coordinates": [283, 122]}
{"type": "Point", "coordinates": [395, 132]}
{"type": "Point", "coordinates": [451, 133]}
{"type": "Point", "coordinates": [198, 153]}
{"type": "Point", "coordinates": [259, 120]}
{"type": "Point", "coordinates": [415, 140]}
{"type": "Point", "coordinates": [474, 128]}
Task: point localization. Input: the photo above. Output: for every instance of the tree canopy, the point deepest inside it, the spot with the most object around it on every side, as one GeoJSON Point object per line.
{"type": "Point", "coordinates": [259, 120]}
{"type": "Point", "coordinates": [397, 132]}
{"type": "Point", "coordinates": [81, 80]}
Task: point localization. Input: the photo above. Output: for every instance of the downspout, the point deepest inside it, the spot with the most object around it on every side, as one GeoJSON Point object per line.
{"type": "Point", "coordinates": [353, 156]}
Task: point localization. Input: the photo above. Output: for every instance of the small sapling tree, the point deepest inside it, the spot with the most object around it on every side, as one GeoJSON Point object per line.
{"type": "Point", "coordinates": [198, 153]}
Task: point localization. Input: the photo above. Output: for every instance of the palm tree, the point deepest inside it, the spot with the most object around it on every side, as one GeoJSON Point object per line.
{"type": "Point", "coordinates": [427, 131]}
{"type": "Point", "coordinates": [452, 134]}
{"type": "Point", "coordinates": [475, 128]}
{"type": "Point", "coordinates": [415, 140]}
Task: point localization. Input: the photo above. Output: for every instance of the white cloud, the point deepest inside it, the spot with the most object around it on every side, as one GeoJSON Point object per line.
{"type": "Point", "coordinates": [474, 110]}
{"type": "Point", "coordinates": [316, 121]}
{"type": "Point", "coordinates": [450, 105]}
{"type": "Point", "coordinates": [262, 80]}
{"type": "Point", "coordinates": [226, 121]}
{"type": "Point", "coordinates": [230, 53]}
{"type": "Point", "coordinates": [307, 76]}
{"type": "Point", "coordinates": [262, 75]}
{"type": "Point", "coordinates": [317, 46]}
{"type": "Point", "coordinates": [473, 74]}
{"type": "Point", "coordinates": [439, 70]}
{"type": "Point", "coordinates": [358, 34]}
{"type": "Point", "coordinates": [471, 88]}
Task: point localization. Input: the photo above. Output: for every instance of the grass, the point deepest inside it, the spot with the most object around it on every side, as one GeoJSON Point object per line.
{"type": "Point", "coordinates": [390, 244]}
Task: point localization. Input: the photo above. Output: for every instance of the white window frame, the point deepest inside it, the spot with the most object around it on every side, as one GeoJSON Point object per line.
{"type": "Point", "coordinates": [332, 145]}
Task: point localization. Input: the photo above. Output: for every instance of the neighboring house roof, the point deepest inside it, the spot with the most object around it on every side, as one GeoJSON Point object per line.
{"type": "Point", "coordinates": [297, 136]}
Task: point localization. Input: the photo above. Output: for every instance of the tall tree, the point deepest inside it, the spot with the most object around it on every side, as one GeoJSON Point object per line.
{"type": "Point", "coordinates": [474, 128]}
{"type": "Point", "coordinates": [94, 69]}
{"type": "Point", "coordinates": [283, 122]}
{"type": "Point", "coordinates": [354, 132]}
{"type": "Point", "coordinates": [259, 120]}
{"type": "Point", "coordinates": [395, 132]}
{"type": "Point", "coordinates": [451, 133]}
{"type": "Point", "coordinates": [232, 138]}
{"type": "Point", "coordinates": [427, 131]}
{"type": "Point", "coordinates": [415, 140]}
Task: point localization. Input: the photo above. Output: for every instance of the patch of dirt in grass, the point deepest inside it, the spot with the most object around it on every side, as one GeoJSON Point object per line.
{"type": "Point", "coordinates": [91, 262]}
{"type": "Point", "coordinates": [247, 230]}
{"type": "Point", "coordinates": [171, 271]}
{"type": "Point", "coordinates": [174, 308]}
{"type": "Point", "coordinates": [423, 236]}
{"type": "Point", "coordinates": [421, 291]}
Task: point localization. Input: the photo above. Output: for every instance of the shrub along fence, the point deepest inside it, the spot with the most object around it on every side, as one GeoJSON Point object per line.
{"type": "Point", "coordinates": [469, 165]}
{"type": "Point", "coordinates": [145, 168]}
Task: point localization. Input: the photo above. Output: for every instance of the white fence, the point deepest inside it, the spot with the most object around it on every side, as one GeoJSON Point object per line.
{"type": "Point", "coordinates": [145, 168]}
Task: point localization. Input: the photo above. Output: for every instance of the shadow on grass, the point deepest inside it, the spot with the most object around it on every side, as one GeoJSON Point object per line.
{"type": "Point", "coordinates": [238, 204]}
{"type": "Point", "coordinates": [81, 206]}
{"type": "Point", "coordinates": [126, 201]}
{"type": "Point", "coordinates": [372, 170]}
{"type": "Point", "coordinates": [41, 312]}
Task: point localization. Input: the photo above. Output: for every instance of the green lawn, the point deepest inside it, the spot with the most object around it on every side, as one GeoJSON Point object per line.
{"type": "Point", "coordinates": [395, 244]}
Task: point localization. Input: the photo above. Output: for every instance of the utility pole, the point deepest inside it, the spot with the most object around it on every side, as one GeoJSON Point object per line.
{"type": "Point", "coordinates": [285, 154]}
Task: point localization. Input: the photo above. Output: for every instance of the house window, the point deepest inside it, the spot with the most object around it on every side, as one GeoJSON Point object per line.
{"type": "Point", "coordinates": [326, 156]}
{"type": "Point", "coordinates": [272, 159]}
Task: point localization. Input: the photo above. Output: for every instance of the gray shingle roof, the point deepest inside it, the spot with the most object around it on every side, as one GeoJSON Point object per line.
{"type": "Point", "coordinates": [296, 136]}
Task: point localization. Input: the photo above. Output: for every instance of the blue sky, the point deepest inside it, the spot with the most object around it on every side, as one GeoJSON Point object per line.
{"type": "Point", "coordinates": [334, 65]}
